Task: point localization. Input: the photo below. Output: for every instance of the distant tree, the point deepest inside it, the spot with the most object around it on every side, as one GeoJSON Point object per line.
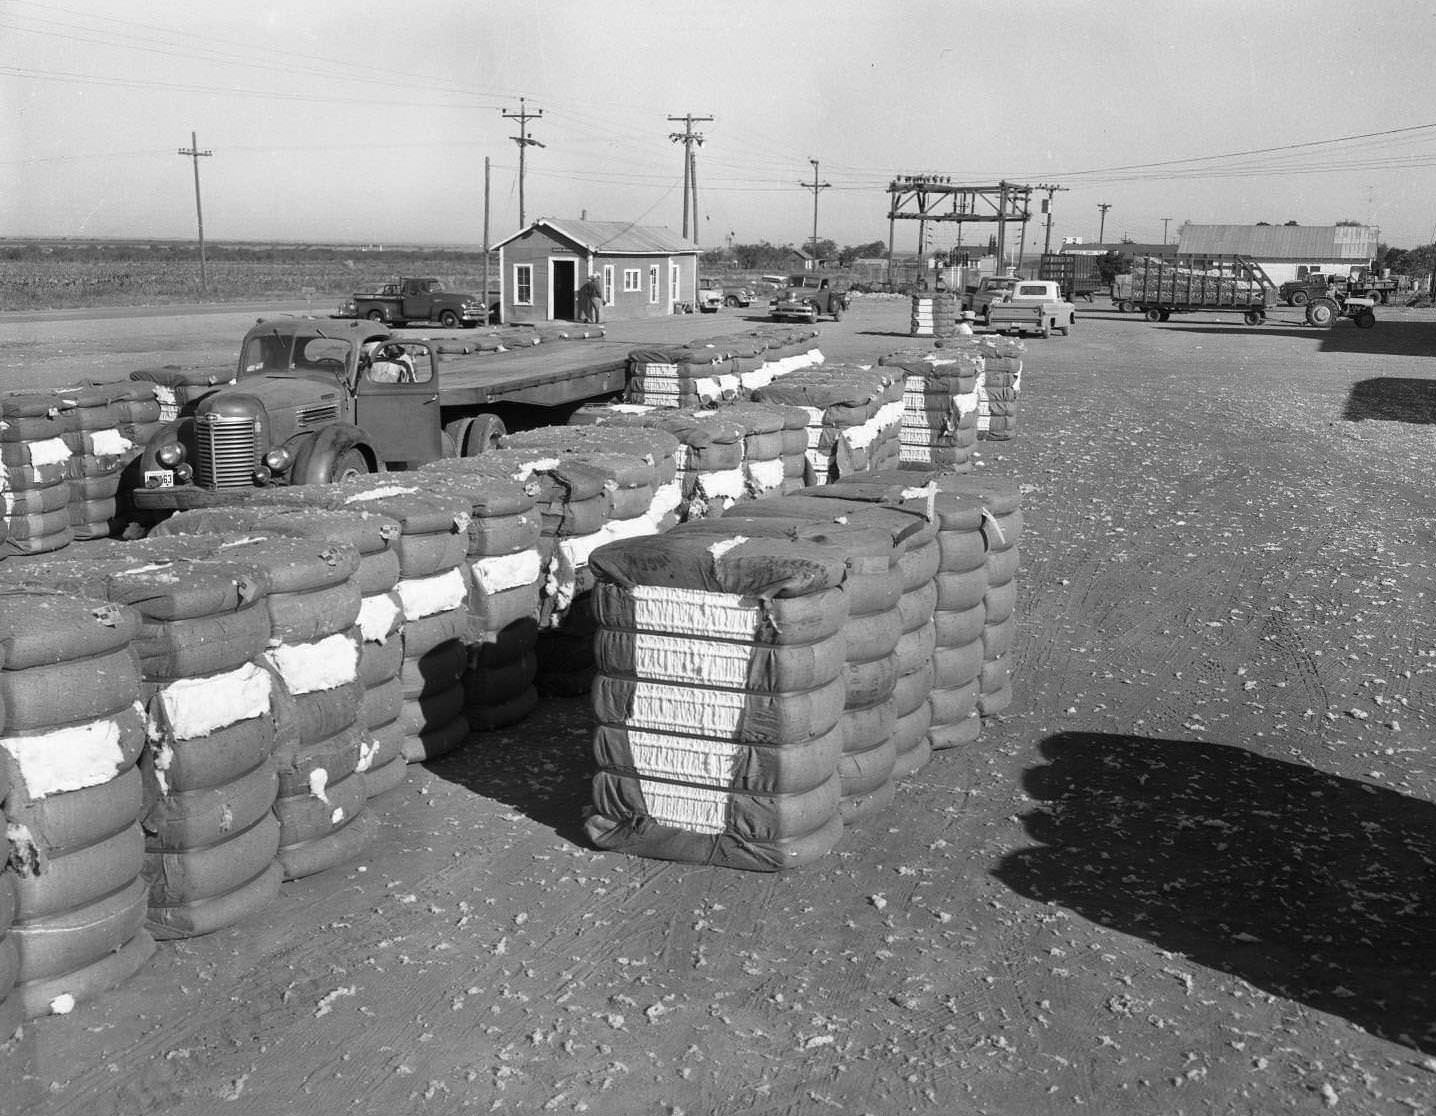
{"type": "Point", "coordinates": [873, 250]}
{"type": "Point", "coordinates": [1263, 224]}
{"type": "Point", "coordinates": [1293, 224]}
{"type": "Point", "coordinates": [1347, 223]}
{"type": "Point", "coordinates": [1111, 264]}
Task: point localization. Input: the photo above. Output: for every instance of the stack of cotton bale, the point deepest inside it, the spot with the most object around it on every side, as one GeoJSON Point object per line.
{"type": "Point", "coordinates": [709, 455]}
{"type": "Point", "coordinates": [177, 390]}
{"type": "Point", "coordinates": [34, 473]}
{"type": "Point", "coordinates": [11, 1014]}
{"type": "Point", "coordinates": [999, 386]}
{"type": "Point", "coordinates": [72, 738]}
{"type": "Point", "coordinates": [764, 440]}
{"type": "Point", "coordinates": [854, 417]}
{"type": "Point", "coordinates": [871, 635]}
{"type": "Point", "coordinates": [99, 453]}
{"type": "Point", "coordinates": [381, 616]}
{"type": "Point", "coordinates": [312, 654]}
{"type": "Point", "coordinates": [682, 376]}
{"type": "Point", "coordinates": [505, 568]}
{"type": "Point", "coordinates": [789, 349]}
{"type": "Point", "coordinates": [940, 405]}
{"type": "Point", "coordinates": [935, 313]}
{"type": "Point", "coordinates": [211, 835]}
{"type": "Point", "coordinates": [719, 699]}
{"type": "Point", "coordinates": [136, 408]}
{"type": "Point", "coordinates": [914, 529]}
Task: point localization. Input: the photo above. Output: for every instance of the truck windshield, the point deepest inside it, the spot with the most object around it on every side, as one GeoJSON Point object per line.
{"type": "Point", "coordinates": [299, 352]}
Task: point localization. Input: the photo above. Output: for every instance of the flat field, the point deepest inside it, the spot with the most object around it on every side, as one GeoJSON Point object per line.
{"type": "Point", "coordinates": [1190, 870]}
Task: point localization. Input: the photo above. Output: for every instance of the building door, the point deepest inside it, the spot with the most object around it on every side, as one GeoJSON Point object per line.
{"type": "Point", "coordinates": [565, 290]}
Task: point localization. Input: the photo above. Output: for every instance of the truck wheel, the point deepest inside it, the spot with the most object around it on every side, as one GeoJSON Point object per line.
{"type": "Point", "coordinates": [449, 320]}
{"type": "Point", "coordinates": [837, 313]}
{"type": "Point", "coordinates": [1253, 317]}
{"type": "Point", "coordinates": [1300, 298]}
{"type": "Point", "coordinates": [348, 464]}
{"type": "Point", "coordinates": [1164, 315]}
{"type": "Point", "coordinates": [376, 315]}
{"type": "Point", "coordinates": [730, 302]}
{"type": "Point", "coordinates": [1379, 296]}
{"type": "Point", "coordinates": [475, 434]}
{"type": "Point", "coordinates": [1153, 315]}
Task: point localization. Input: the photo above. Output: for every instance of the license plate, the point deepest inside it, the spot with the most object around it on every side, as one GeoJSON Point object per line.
{"type": "Point", "coordinates": [159, 478]}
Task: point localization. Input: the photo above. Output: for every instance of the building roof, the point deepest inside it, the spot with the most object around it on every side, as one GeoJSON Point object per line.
{"type": "Point", "coordinates": [613, 238]}
{"type": "Point", "coordinates": [1281, 242]}
{"type": "Point", "coordinates": [1125, 247]}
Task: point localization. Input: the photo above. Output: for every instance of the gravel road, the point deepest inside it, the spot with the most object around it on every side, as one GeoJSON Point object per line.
{"type": "Point", "coordinates": [1190, 870]}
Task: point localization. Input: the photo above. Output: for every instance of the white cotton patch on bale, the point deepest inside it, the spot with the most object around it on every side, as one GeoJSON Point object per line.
{"type": "Point", "coordinates": [507, 571]}
{"type": "Point", "coordinates": [695, 809]}
{"type": "Point", "coordinates": [667, 499]}
{"type": "Point", "coordinates": [50, 451]}
{"type": "Point", "coordinates": [696, 612]}
{"type": "Point", "coordinates": [309, 668]}
{"type": "Point", "coordinates": [378, 616]}
{"type": "Point", "coordinates": [720, 484]}
{"type": "Point", "coordinates": [690, 760]}
{"type": "Point", "coordinates": [713, 713]}
{"type": "Point", "coordinates": [429, 596]}
{"type": "Point", "coordinates": [67, 759]}
{"type": "Point", "coordinates": [318, 782]}
{"type": "Point", "coordinates": [701, 660]}
{"type": "Point", "coordinates": [380, 493]}
{"type": "Point", "coordinates": [764, 476]}
{"type": "Point", "coordinates": [189, 708]}
{"type": "Point", "coordinates": [108, 443]}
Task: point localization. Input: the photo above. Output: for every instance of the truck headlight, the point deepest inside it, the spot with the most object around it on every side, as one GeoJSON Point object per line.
{"type": "Point", "coordinates": [170, 454]}
{"type": "Point", "coordinates": [184, 473]}
{"type": "Point", "coordinates": [278, 459]}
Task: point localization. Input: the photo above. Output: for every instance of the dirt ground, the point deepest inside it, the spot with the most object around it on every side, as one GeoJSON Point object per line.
{"type": "Point", "coordinates": [1191, 870]}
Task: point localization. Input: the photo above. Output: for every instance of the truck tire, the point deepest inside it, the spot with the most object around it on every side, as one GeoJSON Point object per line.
{"type": "Point", "coordinates": [475, 434]}
{"type": "Point", "coordinates": [1322, 313]}
{"type": "Point", "coordinates": [377, 315]}
{"type": "Point", "coordinates": [449, 320]}
{"type": "Point", "coordinates": [348, 464]}
{"type": "Point", "coordinates": [1299, 298]}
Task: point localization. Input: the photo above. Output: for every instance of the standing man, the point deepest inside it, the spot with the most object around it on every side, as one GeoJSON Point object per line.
{"type": "Point", "coordinates": [593, 299]}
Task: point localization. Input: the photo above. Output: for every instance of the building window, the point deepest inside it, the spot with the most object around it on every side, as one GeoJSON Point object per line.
{"type": "Point", "coordinates": [632, 279]}
{"type": "Point", "coordinates": [524, 284]}
{"type": "Point", "coordinates": [653, 283]}
{"type": "Point", "coordinates": [608, 284]}
{"type": "Point", "coordinates": [673, 274]}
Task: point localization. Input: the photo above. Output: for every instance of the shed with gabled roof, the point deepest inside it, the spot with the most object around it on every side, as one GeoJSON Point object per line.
{"type": "Point", "coordinates": [1286, 252]}
{"type": "Point", "coordinates": [646, 271]}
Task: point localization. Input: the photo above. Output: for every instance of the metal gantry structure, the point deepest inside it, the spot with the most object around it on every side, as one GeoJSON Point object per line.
{"type": "Point", "coordinates": [936, 198]}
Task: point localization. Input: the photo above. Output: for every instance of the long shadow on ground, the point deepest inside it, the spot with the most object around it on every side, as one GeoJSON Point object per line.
{"type": "Point", "coordinates": [1387, 338]}
{"type": "Point", "coordinates": [1313, 887]}
{"type": "Point", "coordinates": [1392, 399]}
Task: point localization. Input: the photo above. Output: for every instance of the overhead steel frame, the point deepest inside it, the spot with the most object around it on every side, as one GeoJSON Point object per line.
{"type": "Point", "coordinates": [924, 198]}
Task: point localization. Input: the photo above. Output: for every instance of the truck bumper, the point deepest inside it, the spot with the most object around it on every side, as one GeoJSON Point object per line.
{"type": "Point", "coordinates": [184, 498]}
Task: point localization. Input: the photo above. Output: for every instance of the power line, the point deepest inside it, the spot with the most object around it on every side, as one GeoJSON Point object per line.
{"type": "Point", "coordinates": [817, 188]}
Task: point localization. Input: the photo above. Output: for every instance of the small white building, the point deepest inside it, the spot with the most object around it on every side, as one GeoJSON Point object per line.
{"type": "Point", "coordinates": [1286, 252]}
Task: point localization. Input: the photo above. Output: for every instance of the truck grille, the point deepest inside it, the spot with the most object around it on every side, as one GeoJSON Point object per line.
{"type": "Point", "coordinates": [226, 452]}
{"type": "Point", "coordinates": [321, 414]}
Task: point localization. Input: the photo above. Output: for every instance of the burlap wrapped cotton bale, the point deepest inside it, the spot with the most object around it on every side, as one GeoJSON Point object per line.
{"type": "Point", "coordinates": [505, 573]}
{"type": "Point", "coordinates": [432, 593]}
{"type": "Point", "coordinates": [709, 455]}
{"type": "Point", "coordinates": [960, 615]}
{"type": "Point", "coordinates": [137, 409]}
{"type": "Point", "coordinates": [178, 389]}
{"type": "Point", "coordinates": [208, 766]}
{"type": "Point", "coordinates": [998, 387]}
{"type": "Point", "coordinates": [914, 531]}
{"type": "Point", "coordinates": [99, 453]}
{"type": "Point", "coordinates": [935, 313]}
{"type": "Point", "coordinates": [763, 444]}
{"type": "Point", "coordinates": [74, 731]}
{"type": "Point", "coordinates": [34, 472]}
{"type": "Point", "coordinates": [788, 349]}
{"type": "Point", "coordinates": [854, 417]}
{"type": "Point", "coordinates": [380, 622]}
{"type": "Point", "coordinates": [940, 406]}
{"type": "Point", "coordinates": [871, 636]}
{"type": "Point", "coordinates": [679, 377]}
{"type": "Point", "coordinates": [11, 1015]}
{"type": "Point", "coordinates": [718, 699]}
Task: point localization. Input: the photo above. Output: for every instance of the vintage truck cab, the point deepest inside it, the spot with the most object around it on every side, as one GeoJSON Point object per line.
{"type": "Point", "coordinates": [313, 401]}
{"type": "Point", "coordinates": [1031, 306]}
{"type": "Point", "coordinates": [417, 299]}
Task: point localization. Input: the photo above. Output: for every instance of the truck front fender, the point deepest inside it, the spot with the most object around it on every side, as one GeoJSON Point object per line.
{"type": "Point", "coordinates": [315, 458]}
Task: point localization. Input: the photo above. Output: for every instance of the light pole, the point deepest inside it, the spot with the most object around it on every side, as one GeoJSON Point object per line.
{"type": "Point", "coordinates": [1102, 228]}
{"type": "Point", "coordinates": [1165, 222]}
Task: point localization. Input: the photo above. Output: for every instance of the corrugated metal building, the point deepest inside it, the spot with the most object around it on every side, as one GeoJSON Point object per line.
{"type": "Point", "coordinates": [1286, 252]}
{"type": "Point", "coordinates": [645, 270]}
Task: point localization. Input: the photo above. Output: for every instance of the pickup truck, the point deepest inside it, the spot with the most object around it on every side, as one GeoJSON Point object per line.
{"type": "Point", "coordinates": [1032, 306]}
{"type": "Point", "coordinates": [315, 401]}
{"type": "Point", "coordinates": [418, 299]}
{"type": "Point", "coordinates": [808, 297]}
{"type": "Point", "coordinates": [988, 289]}
{"type": "Point", "coordinates": [710, 296]}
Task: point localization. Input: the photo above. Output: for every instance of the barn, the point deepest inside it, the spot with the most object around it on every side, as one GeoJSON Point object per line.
{"type": "Point", "coordinates": [1286, 252]}
{"type": "Point", "coordinates": [646, 271]}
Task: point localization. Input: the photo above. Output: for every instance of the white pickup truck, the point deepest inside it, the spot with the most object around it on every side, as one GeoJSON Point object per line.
{"type": "Point", "coordinates": [1031, 306]}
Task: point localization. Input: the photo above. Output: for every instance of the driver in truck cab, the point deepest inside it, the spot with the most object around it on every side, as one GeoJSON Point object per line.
{"type": "Point", "coordinates": [385, 362]}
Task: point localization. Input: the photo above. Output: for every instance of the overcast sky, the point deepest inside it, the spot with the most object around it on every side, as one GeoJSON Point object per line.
{"type": "Point", "coordinates": [336, 121]}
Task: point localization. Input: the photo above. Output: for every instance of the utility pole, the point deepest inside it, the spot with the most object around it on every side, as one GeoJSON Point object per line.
{"type": "Point", "coordinates": [525, 141]}
{"type": "Point", "coordinates": [1047, 209]}
{"type": "Point", "coordinates": [486, 240]}
{"type": "Point", "coordinates": [688, 137]}
{"type": "Point", "coordinates": [816, 187]}
{"type": "Point", "coordinates": [194, 153]}
{"type": "Point", "coordinates": [1102, 228]}
{"type": "Point", "coordinates": [1165, 222]}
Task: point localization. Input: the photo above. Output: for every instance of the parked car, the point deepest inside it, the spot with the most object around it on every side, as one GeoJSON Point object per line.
{"type": "Point", "coordinates": [807, 297]}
